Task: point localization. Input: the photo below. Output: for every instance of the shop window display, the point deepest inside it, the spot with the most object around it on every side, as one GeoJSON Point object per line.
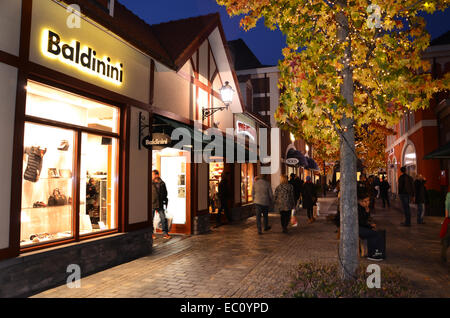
{"type": "Point", "coordinates": [49, 206]}
{"type": "Point", "coordinates": [98, 172]}
{"type": "Point", "coordinates": [247, 176]}
{"type": "Point", "coordinates": [47, 184]}
{"type": "Point", "coordinates": [215, 174]}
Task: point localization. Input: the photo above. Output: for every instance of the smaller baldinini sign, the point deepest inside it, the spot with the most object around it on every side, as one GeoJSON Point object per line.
{"type": "Point", "coordinates": [157, 141]}
{"type": "Point", "coordinates": [82, 57]}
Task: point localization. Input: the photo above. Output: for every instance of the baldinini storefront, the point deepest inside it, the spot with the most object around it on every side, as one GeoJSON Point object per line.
{"type": "Point", "coordinates": [71, 97]}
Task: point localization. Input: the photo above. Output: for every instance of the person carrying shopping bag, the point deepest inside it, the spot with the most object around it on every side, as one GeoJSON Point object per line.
{"type": "Point", "coordinates": [309, 198]}
{"type": "Point", "coordinates": [284, 201]}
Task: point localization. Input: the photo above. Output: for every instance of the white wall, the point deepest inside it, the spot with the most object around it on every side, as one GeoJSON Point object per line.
{"type": "Point", "coordinates": [138, 173]}
{"type": "Point", "coordinates": [10, 18]}
{"type": "Point", "coordinates": [173, 92]}
{"type": "Point", "coordinates": [8, 84]}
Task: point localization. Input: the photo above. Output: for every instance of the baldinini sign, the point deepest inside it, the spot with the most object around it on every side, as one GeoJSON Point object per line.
{"type": "Point", "coordinates": [82, 57]}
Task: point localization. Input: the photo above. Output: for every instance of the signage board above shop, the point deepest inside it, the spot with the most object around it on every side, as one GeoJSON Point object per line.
{"type": "Point", "coordinates": [88, 52]}
{"type": "Point", "coordinates": [82, 57]}
{"type": "Point", "coordinates": [246, 127]}
{"type": "Point", "coordinates": [157, 141]}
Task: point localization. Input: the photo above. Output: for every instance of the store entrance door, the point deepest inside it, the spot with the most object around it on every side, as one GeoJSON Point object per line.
{"type": "Point", "coordinates": [174, 170]}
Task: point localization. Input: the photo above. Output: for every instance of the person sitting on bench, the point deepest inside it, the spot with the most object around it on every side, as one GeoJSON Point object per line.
{"type": "Point", "coordinates": [367, 230]}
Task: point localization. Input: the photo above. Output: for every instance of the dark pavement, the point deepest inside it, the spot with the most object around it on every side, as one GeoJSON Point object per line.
{"type": "Point", "coordinates": [234, 261]}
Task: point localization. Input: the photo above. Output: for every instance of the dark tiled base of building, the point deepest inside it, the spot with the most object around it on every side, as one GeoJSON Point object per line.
{"type": "Point", "coordinates": [37, 271]}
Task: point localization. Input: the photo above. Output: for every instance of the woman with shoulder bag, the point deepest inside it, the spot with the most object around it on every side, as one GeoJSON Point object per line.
{"type": "Point", "coordinates": [284, 201]}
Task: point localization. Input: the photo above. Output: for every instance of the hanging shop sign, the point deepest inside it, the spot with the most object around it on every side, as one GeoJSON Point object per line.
{"type": "Point", "coordinates": [245, 129]}
{"type": "Point", "coordinates": [292, 161]}
{"type": "Point", "coordinates": [157, 141]}
{"type": "Point", "coordinates": [82, 57]}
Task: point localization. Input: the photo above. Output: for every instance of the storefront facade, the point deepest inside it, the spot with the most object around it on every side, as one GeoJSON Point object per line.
{"type": "Point", "coordinates": [80, 95]}
{"type": "Point", "coordinates": [71, 99]}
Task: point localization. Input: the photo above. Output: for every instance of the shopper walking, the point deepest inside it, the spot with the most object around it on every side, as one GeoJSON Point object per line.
{"type": "Point", "coordinates": [159, 200]}
{"type": "Point", "coordinates": [263, 199]}
{"type": "Point", "coordinates": [405, 192]}
{"type": "Point", "coordinates": [445, 231]}
{"type": "Point", "coordinates": [384, 192]}
{"type": "Point", "coordinates": [223, 194]}
{"type": "Point", "coordinates": [372, 191]}
{"type": "Point", "coordinates": [284, 201]}
{"type": "Point", "coordinates": [296, 184]}
{"type": "Point", "coordinates": [420, 194]}
{"type": "Point", "coordinates": [309, 198]}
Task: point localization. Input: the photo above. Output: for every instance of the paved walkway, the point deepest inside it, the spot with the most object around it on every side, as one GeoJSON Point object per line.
{"type": "Point", "coordinates": [234, 261]}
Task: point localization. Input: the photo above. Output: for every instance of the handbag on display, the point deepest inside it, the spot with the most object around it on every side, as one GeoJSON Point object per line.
{"type": "Point", "coordinates": [64, 146]}
{"type": "Point", "coordinates": [57, 198]}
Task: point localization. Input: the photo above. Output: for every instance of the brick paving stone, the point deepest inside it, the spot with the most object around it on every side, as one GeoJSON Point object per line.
{"type": "Point", "coordinates": [234, 261]}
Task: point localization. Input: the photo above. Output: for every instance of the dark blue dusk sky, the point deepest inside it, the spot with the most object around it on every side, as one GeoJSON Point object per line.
{"type": "Point", "coordinates": [264, 43]}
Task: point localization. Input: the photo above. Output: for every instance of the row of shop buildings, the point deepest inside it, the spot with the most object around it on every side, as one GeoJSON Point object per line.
{"type": "Point", "coordinates": [90, 98]}
{"type": "Point", "coordinates": [422, 138]}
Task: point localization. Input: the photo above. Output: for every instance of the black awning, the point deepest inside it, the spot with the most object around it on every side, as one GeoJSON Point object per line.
{"type": "Point", "coordinates": [165, 125]}
{"type": "Point", "coordinates": [312, 164]}
{"type": "Point", "coordinates": [296, 158]}
{"type": "Point", "coordinates": [442, 152]}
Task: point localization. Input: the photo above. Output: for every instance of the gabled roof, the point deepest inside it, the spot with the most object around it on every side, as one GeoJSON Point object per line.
{"type": "Point", "coordinates": [127, 25]}
{"type": "Point", "coordinates": [243, 57]}
{"type": "Point", "coordinates": [181, 38]}
{"type": "Point", "coordinates": [442, 39]}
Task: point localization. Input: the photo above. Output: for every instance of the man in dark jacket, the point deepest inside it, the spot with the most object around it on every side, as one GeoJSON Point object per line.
{"type": "Point", "coordinates": [309, 198]}
{"type": "Point", "coordinates": [384, 192]}
{"type": "Point", "coordinates": [159, 200]}
{"type": "Point", "coordinates": [420, 194]}
{"type": "Point", "coordinates": [405, 192]}
{"type": "Point", "coordinates": [223, 195]}
{"type": "Point", "coordinates": [295, 182]}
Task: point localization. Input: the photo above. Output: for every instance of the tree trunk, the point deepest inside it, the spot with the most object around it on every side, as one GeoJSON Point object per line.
{"type": "Point", "coordinates": [348, 247]}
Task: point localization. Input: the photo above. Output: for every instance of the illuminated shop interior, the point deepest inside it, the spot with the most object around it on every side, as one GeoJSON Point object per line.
{"type": "Point", "coordinates": [68, 139]}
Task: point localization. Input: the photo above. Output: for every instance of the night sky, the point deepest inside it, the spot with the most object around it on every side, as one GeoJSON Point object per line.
{"type": "Point", "coordinates": [265, 44]}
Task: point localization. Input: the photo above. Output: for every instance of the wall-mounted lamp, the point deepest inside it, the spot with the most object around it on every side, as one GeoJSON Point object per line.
{"type": "Point", "coordinates": [226, 94]}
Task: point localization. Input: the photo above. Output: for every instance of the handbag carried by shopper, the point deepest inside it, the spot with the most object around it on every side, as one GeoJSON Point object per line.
{"type": "Point", "coordinates": [444, 228]}
{"type": "Point", "coordinates": [293, 218]}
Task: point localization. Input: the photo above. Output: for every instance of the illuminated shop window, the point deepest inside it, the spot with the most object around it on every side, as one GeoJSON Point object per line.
{"type": "Point", "coordinates": [247, 176]}
{"type": "Point", "coordinates": [54, 141]}
{"type": "Point", "coordinates": [57, 105]}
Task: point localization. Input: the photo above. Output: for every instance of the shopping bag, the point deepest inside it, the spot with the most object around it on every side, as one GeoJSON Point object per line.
{"type": "Point", "coordinates": [444, 228]}
{"type": "Point", "coordinates": [156, 221]}
{"type": "Point", "coordinates": [293, 218]}
{"type": "Point", "coordinates": [169, 219]}
{"type": "Point", "coordinates": [316, 210]}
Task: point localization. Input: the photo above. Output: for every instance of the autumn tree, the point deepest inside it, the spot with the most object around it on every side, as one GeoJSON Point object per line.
{"type": "Point", "coordinates": [347, 63]}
